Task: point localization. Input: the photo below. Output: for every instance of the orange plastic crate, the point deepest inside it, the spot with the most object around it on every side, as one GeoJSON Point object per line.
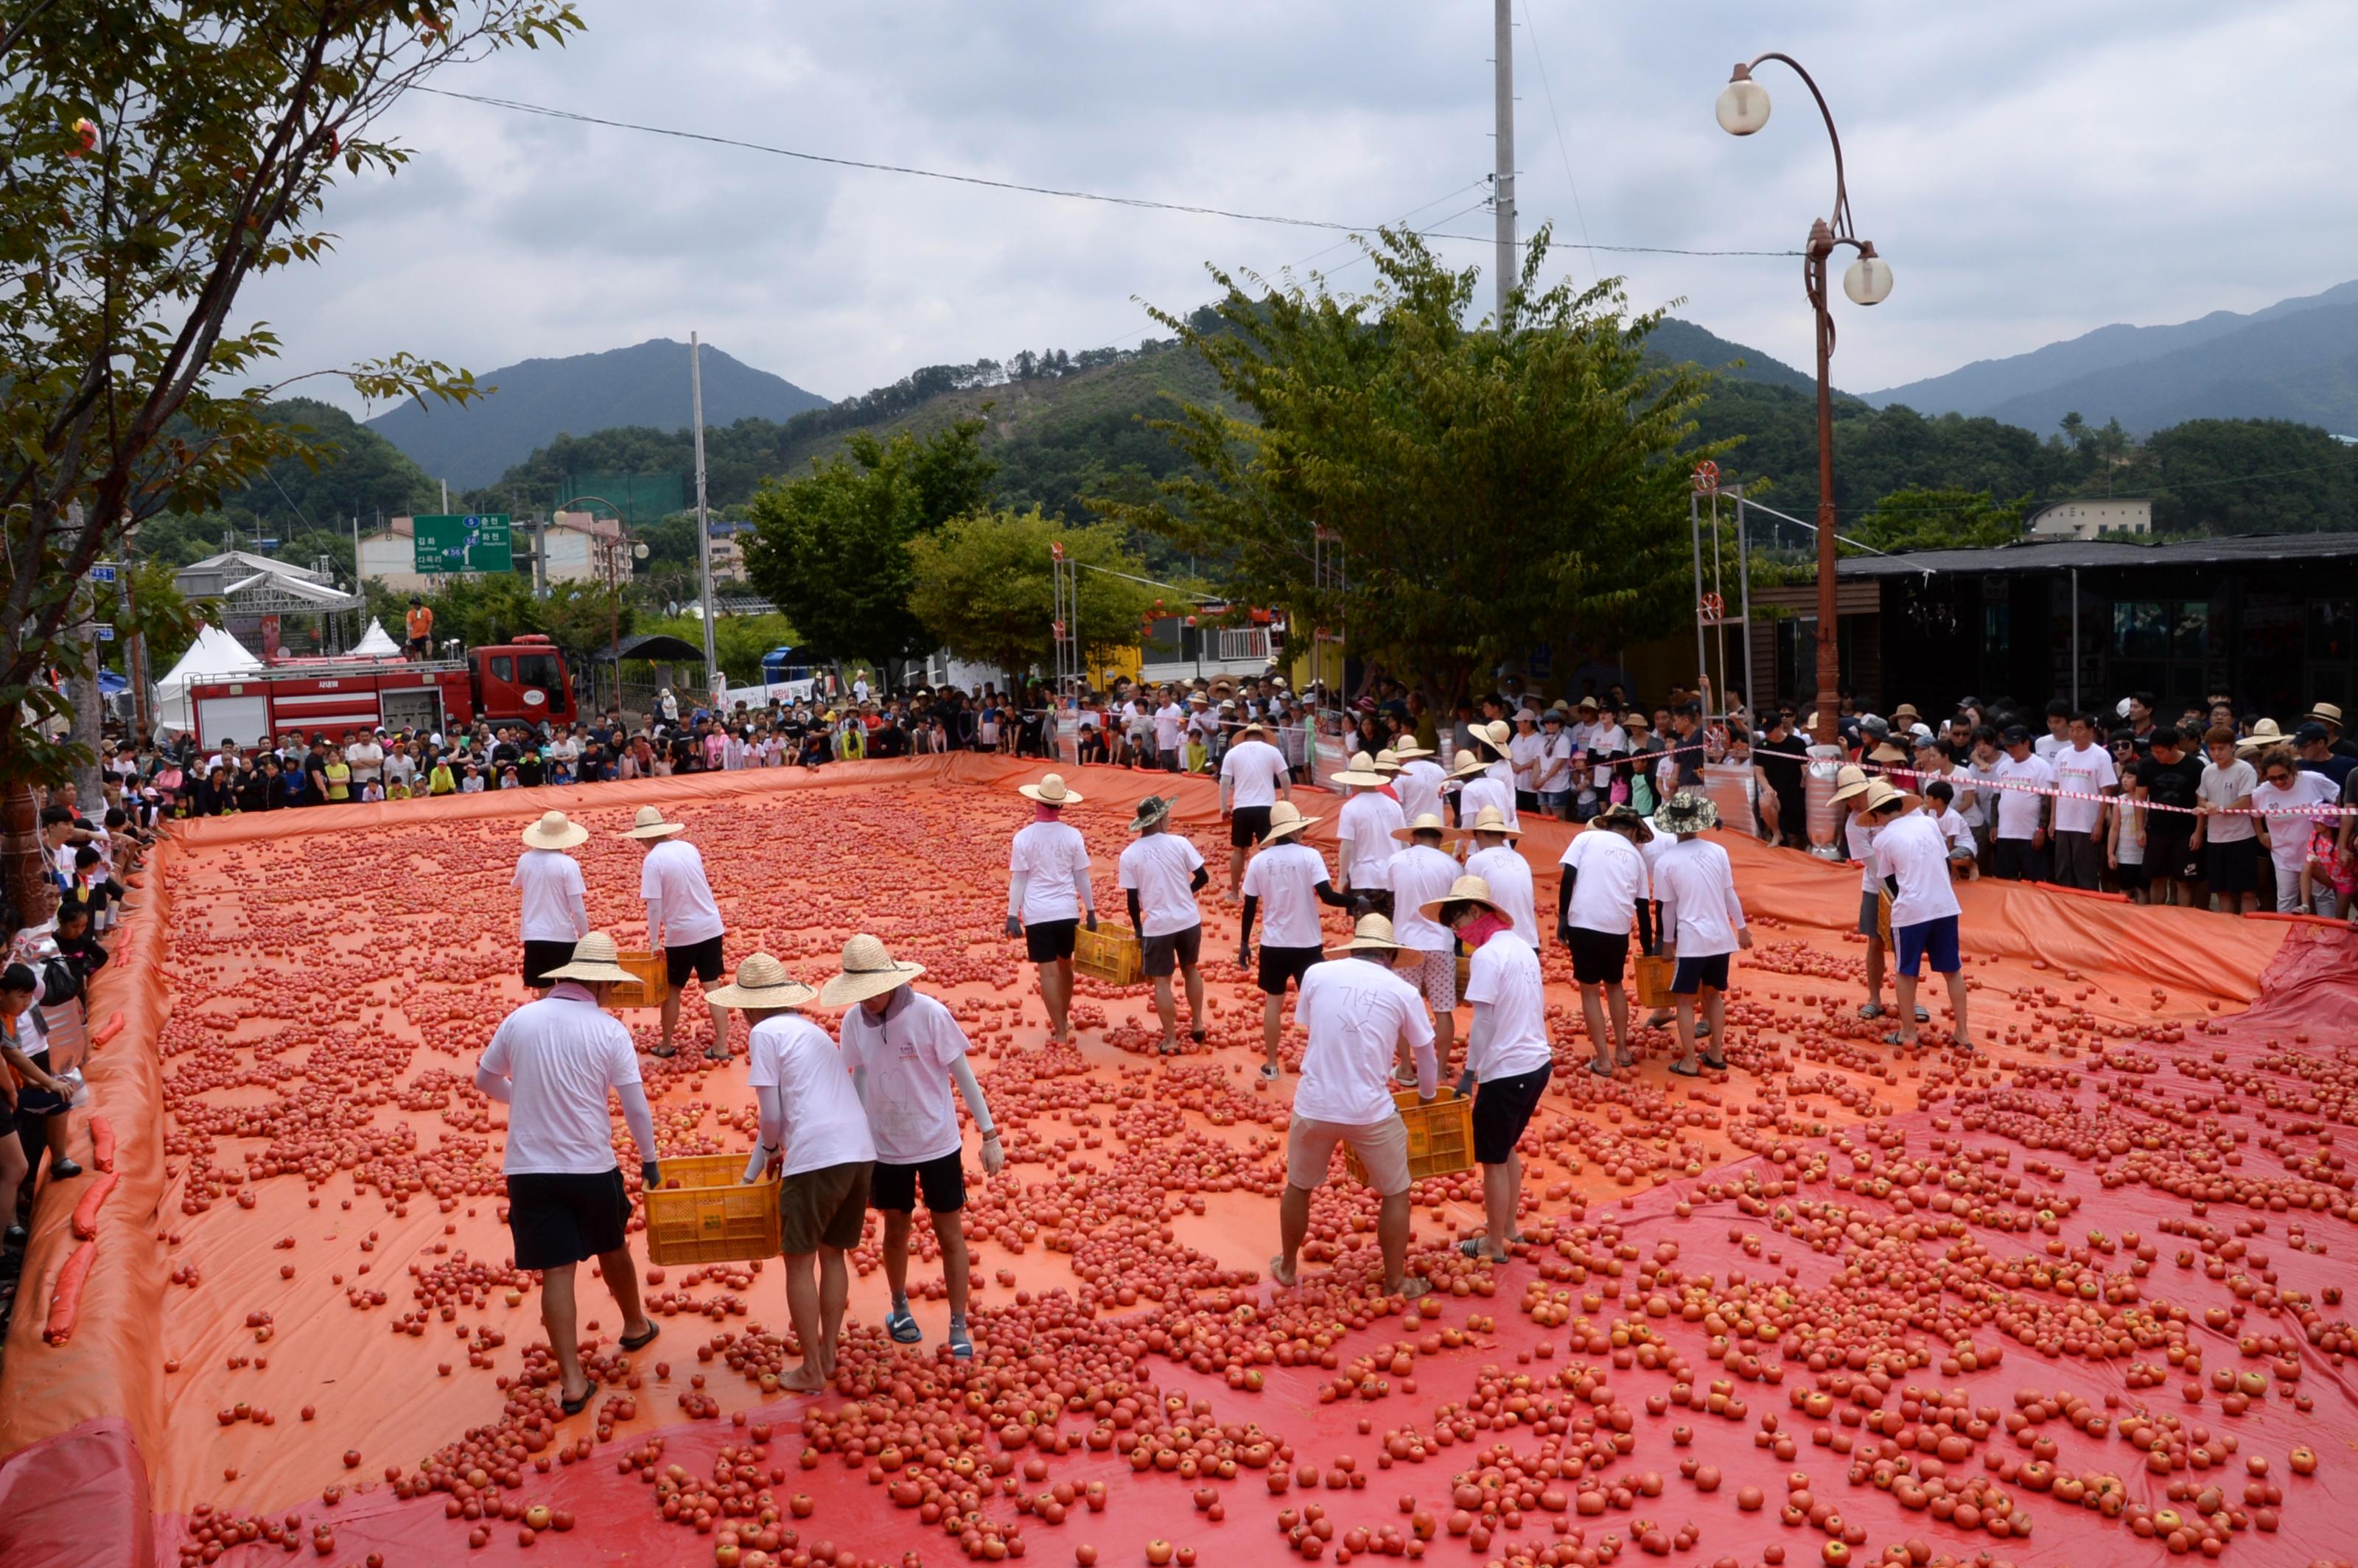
{"type": "Point", "coordinates": [1116, 957]}
{"type": "Point", "coordinates": [711, 1217]}
{"type": "Point", "coordinates": [1440, 1136]}
{"type": "Point", "coordinates": [652, 987]}
{"type": "Point", "coordinates": [1654, 975]}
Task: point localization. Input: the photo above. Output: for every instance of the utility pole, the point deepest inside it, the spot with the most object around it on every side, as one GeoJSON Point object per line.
{"type": "Point", "coordinates": [703, 520]}
{"type": "Point", "coordinates": [1503, 192]}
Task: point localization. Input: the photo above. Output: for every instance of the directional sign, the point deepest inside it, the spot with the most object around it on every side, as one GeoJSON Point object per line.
{"type": "Point", "coordinates": [104, 572]}
{"type": "Point", "coordinates": [106, 633]}
{"type": "Point", "coordinates": [478, 543]}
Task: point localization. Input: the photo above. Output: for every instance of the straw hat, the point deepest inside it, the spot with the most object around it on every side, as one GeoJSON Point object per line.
{"type": "Point", "coordinates": [1686, 812]}
{"type": "Point", "coordinates": [650, 824]}
{"type": "Point", "coordinates": [1388, 762]}
{"type": "Point", "coordinates": [1154, 808]}
{"type": "Point", "coordinates": [1471, 764]}
{"type": "Point", "coordinates": [1426, 822]}
{"type": "Point", "coordinates": [2323, 713]}
{"type": "Point", "coordinates": [595, 960]}
{"type": "Point", "coordinates": [868, 971]}
{"type": "Point", "coordinates": [1879, 792]}
{"type": "Point", "coordinates": [1491, 819]}
{"type": "Point", "coordinates": [762, 981]}
{"type": "Point", "coordinates": [1464, 890]}
{"type": "Point", "coordinates": [1285, 819]}
{"type": "Point", "coordinates": [1408, 750]}
{"type": "Point", "coordinates": [2264, 735]}
{"type": "Point", "coordinates": [1585, 704]}
{"type": "Point", "coordinates": [1251, 727]}
{"type": "Point", "coordinates": [1850, 781]}
{"type": "Point", "coordinates": [1362, 772]}
{"type": "Point", "coordinates": [1498, 735]}
{"type": "Point", "coordinates": [555, 831]}
{"type": "Point", "coordinates": [1372, 935]}
{"type": "Point", "coordinates": [1050, 791]}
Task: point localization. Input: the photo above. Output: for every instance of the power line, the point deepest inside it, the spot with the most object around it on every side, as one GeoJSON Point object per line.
{"type": "Point", "coordinates": [1146, 203]}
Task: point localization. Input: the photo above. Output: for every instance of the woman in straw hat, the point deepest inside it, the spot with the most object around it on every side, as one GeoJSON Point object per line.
{"type": "Point", "coordinates": [683, 922]}
{"type": "Point", "coordinates": [1508, 1058]}
{"type": "Point", "coordinates": [1420, 781]}
{"type": "Point", "coordinates": [1364, 828]}
{"type": "Point", "coordinates": [1496, 862]}
{"type": "Point", "coordinates": [1048, 894]}
{"type": "Point", "coordinates": [1359, 1014]}
{"type": "Point", "coordinates": [813, 1126]}
{"type": "Point", "coordinates": [1476, 776]}
{"type": "Point", "coordinates": [552, 1063]}
{"type": "Point", "coordinates": [555, 915]}
{"type": "Point", "coordinates": [1703, 922]}
{"type": "Point", "coordinates": [1160, 874]}
{"type": "Point", "coordinates": [905, 1052]}
{"type": "Point", "coordinates": [1415, 877]}
{"type": "Point", "coordinates": [1290, 878]}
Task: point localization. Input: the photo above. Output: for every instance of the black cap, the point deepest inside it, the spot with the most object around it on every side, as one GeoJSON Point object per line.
{"type": "Point", "coordinates": [2309, 735]}
{"type": "Point", "coordinates": [2015, 735]}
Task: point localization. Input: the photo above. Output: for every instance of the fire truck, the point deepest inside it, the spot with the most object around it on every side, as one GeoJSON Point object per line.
{"type": "Point", "coordinates": [522, 682]}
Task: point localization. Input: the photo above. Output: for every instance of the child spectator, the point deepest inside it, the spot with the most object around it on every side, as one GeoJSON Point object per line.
{"type": "Point", "coordinates": [1940, 805]}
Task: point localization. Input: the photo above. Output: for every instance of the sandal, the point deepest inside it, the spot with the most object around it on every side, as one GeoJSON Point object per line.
{"type": "Point", "coordinates": [1600, 1071]}
{"type": "Point", "coordinates": [575, 1407]}
{"type": "Point", "coordinates": [666, 1051]}
{"type": "Point", "coordinates": [1269, 1072]}
{"type": "Point", "coordinates": [716, 1055]}
{"type": "Point", "coordinates": [1716, 1064]}
{"type": "Point", "coordinates": [640, 1342]}
{"type": "Point", "coordinates": [903, 1328]}
{"type": "Point", "coordinates": [1873, 1009]}
{"type": "Point", "coordinates": [1895, 1038]}
{"type": "Point", "coordinates": [1200, 1035]}
{"type": "Point", "coordinates": [1687, 1072]}
{"type": "Point", "coordinates": [1472, 1248]}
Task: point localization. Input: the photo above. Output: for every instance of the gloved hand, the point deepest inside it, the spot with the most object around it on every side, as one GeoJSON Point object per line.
{"type": "Point", "coordinates": [994, 1158]}
{"type": "Point", "coordinates": [1014, 927]}
{"type": "Point", "coordinates": [1093, 919]}
{"type": "Point", "coordinates": [650, 1175]}
{"type": "Point", "coordinates": [1464, 1082]}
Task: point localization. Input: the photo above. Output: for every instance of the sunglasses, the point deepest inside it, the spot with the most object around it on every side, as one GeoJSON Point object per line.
{"type": "Point", "coordinates": [2279, 778]}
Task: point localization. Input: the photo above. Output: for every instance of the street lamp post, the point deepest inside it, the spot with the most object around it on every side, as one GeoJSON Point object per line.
{"type": "Point", "coordinates": [1742, 108]}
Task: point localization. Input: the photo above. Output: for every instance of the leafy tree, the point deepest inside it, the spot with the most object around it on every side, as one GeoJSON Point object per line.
{"type": "Point", "coordinates": [342, 470]}
{"type": "Point", "coordinates": [497, 607]}
{"type": "Point", "coordinates": [1938, 520]}
{"type": "Point", "coordinates": [830, 547]}
{"type": "Point", "coordinates": [740, 641]}
{"type": "Point", "coordinates": [984, 588]}
{"type": "Point", "coordinates": [1488, 489]}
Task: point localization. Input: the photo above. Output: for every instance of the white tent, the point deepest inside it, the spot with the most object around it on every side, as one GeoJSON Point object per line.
{"type": "Point", "coordinates": [376, 645]}
{"type": "Point", "coordinates": [214, 653]}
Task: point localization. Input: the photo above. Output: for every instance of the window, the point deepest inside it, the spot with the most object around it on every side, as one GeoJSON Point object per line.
{"type": "Point", "coordinates": [2190, 631]}
{"type": "Point", "coordinates": [2329, 626]}
{"type": "Point", "coordinates": [538, 671]}
{"type": "Point", "coordinates": [1997, 628]}
{"type": "Point", "coordinates": [2140, 629]}
{"type": "Point", "coordinates": [502, 667]}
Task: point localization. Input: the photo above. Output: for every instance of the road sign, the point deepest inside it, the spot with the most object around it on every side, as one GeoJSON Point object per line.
{"type": "Point", "coordinates": [477, 542]}
{"type": "Point", "coordinates": [102, 572]}
{"type": "Point", "coordinates": [106, 633]}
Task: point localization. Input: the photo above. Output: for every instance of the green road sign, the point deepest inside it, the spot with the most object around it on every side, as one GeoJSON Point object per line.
{"type": "Point", "coordinates": [473, 544]}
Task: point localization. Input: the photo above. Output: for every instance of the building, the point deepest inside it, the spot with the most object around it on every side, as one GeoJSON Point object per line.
{"type": "Point", "coordinates": [2089, 519]}
{"type": "Point", "coordinates": [729, 550]}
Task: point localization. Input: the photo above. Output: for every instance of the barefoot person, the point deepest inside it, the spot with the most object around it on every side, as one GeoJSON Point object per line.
{"type": "Point", "coordinates": [1602, 882]}
{"type": "Point", "coordinates": [1253, 777]}
{"type": "Point", "coordinates": [683, 922]}
{"type": "Point", "coordinates": [1702, 922]}
{"type": "Point", "coordinates": [550, 882]}
{"type": "Point", "coordinates": [1911, 855]}
{"type": "Point", "coordinates": [1358, 1015]}
{"type": "Point", "coordinates": [814, 1128]}
{"type": "Point", "coordinates": [1048, 894]}
{"type": "Point", "coordinates": [1161, 873]}
{"type": "Point", "coordinates": [904, 1051]}
{"type": "Point", "coordinates": [553, 1063]}
{"type": "Point", "coordinates": [1290, 879]}
{"type": "Point", "coordinates": [1416, 877]}
{"type": "Point", "coordinates": [1508, 1058]}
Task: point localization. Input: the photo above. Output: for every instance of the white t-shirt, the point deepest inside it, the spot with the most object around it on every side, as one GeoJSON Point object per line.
{"type": "Point", "coordinates": [1162, 867]}
{"type": "Point", "coordinates": [1504, 974]}
{"type": "Point", "coordinates": [1960, 836]}
{"type": "Point", "coordinates": [1985, 791]}
{"type": "Point", "coordinates": [366, 759]}
{"type": "Point", "coordinates": [1419, 788]}
{"type": "Point", "coordinates": [2047, 745]}
{"type": "Point", "coordinates": [1418, 875]}
{"type": "Point", "coordinates": [2018, 807]}
{"type": "Point", "coordinates": [2225, 786]}
{"type": "Point", "coordinates": [1609, 878]}
{"type": "Point", "coordinates": [564, 1054]}
{"type": "Point", "coordinates": [1484, 790]}
{"type": "Point", "coordinates": [1510, 876]}
{"type": "Point", "coordinates": [1914, 852]}
{"type": "Point", "coordinates": [673, 877]}
{"type": "Point", "coordinates": [2088, 772]}
{"type": "Point", "coordinates": [824, 1122]}
{"type": "Point", "coordinates": [1697, 885]}
{"type": "Point", "coordinates": [1355, 1013]}
{"type": "Point", "coordinates": [1284, 878]}
{"type": "Point", "coordinates": [1056, 862]}
{"type": "Point", "coordinates": [1170, 724]}
{"type": "Point", "coordinates": [1253, 770]}
{"type": "Point", "coordinates": [1554, 774]}
{"type": "Point", "coordinates": [1368, 820]}
{"type": "Point", "coordinates": [2288, 834]}
{"type": "Point", "coordinates": [553, 910]}
{"type": "Point", "coordinates": [1523, 756]}
{"type": "Point", "coordinates": [1858, 842]}
{"type": "Point", "coordinates": [907, 1055]}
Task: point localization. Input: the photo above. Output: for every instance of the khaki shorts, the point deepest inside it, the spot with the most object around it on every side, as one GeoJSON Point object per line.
{"type": "Point", "coordinates": [1382, 1147]}
{"type": "Point", "coordinates": [826, 1208]}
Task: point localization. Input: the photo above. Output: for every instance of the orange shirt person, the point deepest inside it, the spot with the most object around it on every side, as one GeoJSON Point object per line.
{"type": "Point", "coordinates": [420, 623]}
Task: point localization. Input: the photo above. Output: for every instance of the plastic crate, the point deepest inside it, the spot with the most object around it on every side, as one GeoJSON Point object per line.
{"type": "Point", "coordinates": [1116, 957]}
{"type": "Point", "coordinates": [1654, 975]}
{"type": "Point", "coordinates": [1440, 1136]}
{"type": "Point", "coordinates": [652, 987]}
{"type": "Point", "coordinates": [711, 1217]}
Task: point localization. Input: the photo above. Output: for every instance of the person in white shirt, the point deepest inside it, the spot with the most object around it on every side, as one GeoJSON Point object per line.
{"type": "Point", "coordinates": [1161, 873]}
{"type": "Point", "coordinates": [1498, 862]}
{"type": "Point", "coordinates": [1939, 795]}
{"type": "Point", "coordinates": [906, 1052]}
{"type": "Point", "coordinates": [1420, 781]}
{"type": "Point", "coordinates": [1552, 780]}
{"type": "Point", "coordinates": [1508, 1058]}
{"type": "Point", "coordinates": [1852, 785]}
{"type": "Point", "coordinates": [2082, 768]}
{"type": "Point", "coordinates": [1048, 894]}
{"type": "Point", "coordinates": [1912, 855]}
{"type": "Point", "coordinates": [1524, 750]}
{"type": "Point", "coordinates": [1415, 877]}
{"type": "Point", "coordinates": [1170, 731]}
{"type": "Point", "coordinates": [1358, 1015]}
{"type": "Point", "coordinates": [554, 1063]}
{"type": "Point", "coordinates": [1603, 881]}
{"type": "Point", "coordinates": [1289, 878]}
{"type": "Point", "coordinates": [683, 922]}
{"type": "Point", "coordinates": [1479, 788]}
{"type": "Point", "coordinates": [1254, 776]}
{"type": "Point", "coordinates": [2019, 848]}
{"type": "Point", "coordinates": [2287, 795]}
{"type": "Point", "coordinates": [1596, 731]}
{"type": "Point", "coordinates": [1139, 732]}
{"type": "Point", "coordinates": [2227, 841]}
{"type": "Point", "coordinates": [1364, 828]}
{"type": "Point", "coordinates": [365, 757]}
{"type": "Point", "coordinates": [1702, 922]}
{"type": "Point", "coordinates": [554, 915]}
{"type": "Point", "coordinates": [814, 1129]}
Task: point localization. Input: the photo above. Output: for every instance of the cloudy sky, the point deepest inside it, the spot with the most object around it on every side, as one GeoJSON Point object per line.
{"type": "Point", "coordinates": [2032, 170]}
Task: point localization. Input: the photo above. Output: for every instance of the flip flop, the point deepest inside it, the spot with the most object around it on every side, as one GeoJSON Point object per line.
{"type": "Point", "coordinates": [575, 1407]}
{"type": "Point", "coordinates": [716, 1055]}
{"type": "Point", "coordinates": [1472, 1248]}
{"type": "Point", "coordinates": [1873, 1009]}
{"type": "Point", "coordinates": [666, 1051]}
{"type": "Point", "coordinates": [1922, 1016]}
{"type": "Point", "coordinates": [1715, 1064]}
{"type": "Point", "coordinates": [1269, 1073]}
{"type": "Point", "coordinates": [1600, 1071]}
{"type": "Point", "coordinates": [1894, 1038]}
{"type": "Point", "coordinates": [643, 1340]}
{"type": "Point", "coordinates": [1168, 1048]}
{"type": "Point", "coordinates": [1687, 1072]}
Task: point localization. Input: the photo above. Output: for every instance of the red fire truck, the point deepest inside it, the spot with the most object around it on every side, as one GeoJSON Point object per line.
{"type": "Point", "coordinates": [523, 682]}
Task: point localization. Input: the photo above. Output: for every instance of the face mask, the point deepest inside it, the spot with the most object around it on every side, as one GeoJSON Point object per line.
{"type": "Point", "coordinates": [1481, 928]}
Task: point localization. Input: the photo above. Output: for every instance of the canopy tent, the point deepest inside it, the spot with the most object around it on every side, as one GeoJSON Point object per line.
{"type": "Point", "coordinates": [375, 644]}
{"type": "Point", "coordinates": [214, 653]}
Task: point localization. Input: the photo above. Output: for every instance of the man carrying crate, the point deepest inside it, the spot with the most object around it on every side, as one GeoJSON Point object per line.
{"type": "Point", "coordinates": [1415, 877]}
{"type": "Point", "coordinates": [552, 1063]}
{"type": "Point", "coordinates": [683, 922]}
{"type": "Point", "coordinates": [814, 1126]}
{"type": "Point", "coordinates": [1162, 874]}
{"type": "Point", "coordinates": [1506, 1052]}
{"type": "Point", "coordinates": [1048, 894]}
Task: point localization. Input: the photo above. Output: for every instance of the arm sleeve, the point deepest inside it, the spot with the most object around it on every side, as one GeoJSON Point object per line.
{"type": "Point", "coordinates": [1565, 877]}
{"type": "Point", "coordinates": [1428, 1065]}
{"type": "Point", "coordinates": [1081, 887]}
{"type": "Point", "coordinates": [1015, 893]}
{"type": "Point", "coordinates": [1734, 906]}
{"type": "Point", "coordinates": [655, 922]}
{"type": "Point", "coordinates": [1666, 891]}
{"type": "Point", "coordinates": [581, 903]}
{"type": "Point", "coordinates": [774, 1115]}
{"type": "Point", "coordinates": [496, 1085]}
{"type": "Point", "coordinates": [637, 1117]}
{"type": "Point", "coordinates": [962, 1075]}
{"type": "Point", "coordinates": [1245, 925]}
{"type": "Point", "coordinates": [1201, 878]}
{"type": "Point", "coordinates": [1477, 1039]}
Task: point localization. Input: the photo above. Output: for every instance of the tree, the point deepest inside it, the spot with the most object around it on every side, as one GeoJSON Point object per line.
{"type": "Point", "coordinates": [158, 158]}
{"type": "Point", "coordinates": [1488, 489]}
{"type": "Point", "coordinates": [830, 547]}
{"type": "Point", "coordinates": [983, 587]}
{"type": "Point", "coordinates": [1938, 520]}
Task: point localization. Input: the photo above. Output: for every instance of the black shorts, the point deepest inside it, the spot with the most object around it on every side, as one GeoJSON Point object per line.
{"type": "Point", "coordinates": [2232, 867]}
{"type": "Point", "coordinates": [539, 958]}
{"type": "Point", "coordinates": [1502, 1108]}
{"type": "Point", "coordinates": [1246, 826]}
{"type": "Point", "coordinates": [1279, 964]}
{"type": "Point", "coordinates": [2017, 860]}
{"type": "Point", "coordinates": [1599, 957]}
{"type": "Point", "coordinates": [893, 1188]}
{"type": "Point", "coordinates": [560, 1218]}
{"type": "Point", "coordinates": [700, 958]}
{"type": "Point", "coordinates": [1168, 952]}
{"type": "Point", "coordinates": [415, 647]}
{"type": "Point", "coordinates": [1692, 974]}
{"type": "Point", "coordinates": [1050, 940]}
{"type": "Point", "coordinates": [2132, 879]}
